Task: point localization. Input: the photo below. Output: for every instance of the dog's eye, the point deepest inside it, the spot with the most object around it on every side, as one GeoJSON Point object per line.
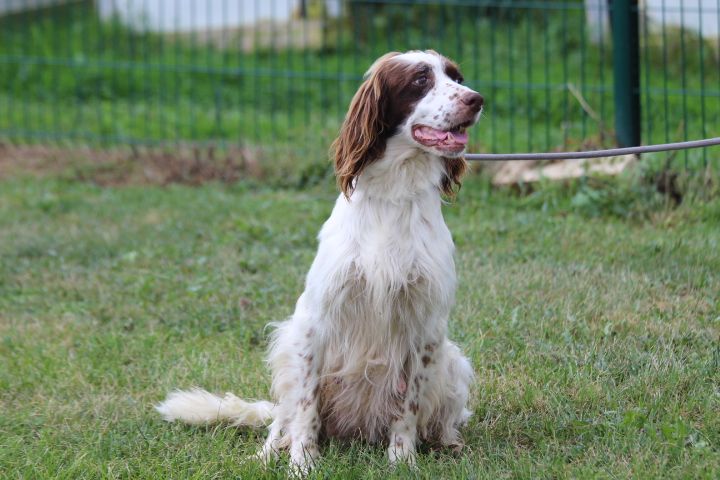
{"type": "Point", "coordinates": [421, 81]}
{"type": "Point", "coordinates": [459, 80]}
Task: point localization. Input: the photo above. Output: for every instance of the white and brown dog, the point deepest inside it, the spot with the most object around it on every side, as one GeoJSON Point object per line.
{"type": "Point", "coordinates": [366, 353]}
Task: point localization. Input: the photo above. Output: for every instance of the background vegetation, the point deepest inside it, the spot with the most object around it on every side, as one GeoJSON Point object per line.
{"type": "Point", "coordinates": [67, 75]}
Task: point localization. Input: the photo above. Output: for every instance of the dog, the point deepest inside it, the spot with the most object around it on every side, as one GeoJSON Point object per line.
{"type": "Point", "coordinates": [365, 354]}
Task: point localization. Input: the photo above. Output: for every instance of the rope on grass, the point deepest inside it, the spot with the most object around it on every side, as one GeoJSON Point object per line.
{"type": "Point", "coordinates": [611, 152]}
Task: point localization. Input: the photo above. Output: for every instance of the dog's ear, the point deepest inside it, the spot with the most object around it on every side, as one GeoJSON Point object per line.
{"type": "Point", "coordinates": [364, 131]}
{"type": "Point", "coordinates": [454, 170]}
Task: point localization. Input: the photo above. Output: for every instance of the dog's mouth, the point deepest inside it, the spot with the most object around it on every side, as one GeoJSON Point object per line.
{"type": "Point", "coordinates": [452, 140]}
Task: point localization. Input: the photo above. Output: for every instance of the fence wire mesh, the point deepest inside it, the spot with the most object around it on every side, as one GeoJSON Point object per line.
{"type": "Point", "coordinates": [276, 76]}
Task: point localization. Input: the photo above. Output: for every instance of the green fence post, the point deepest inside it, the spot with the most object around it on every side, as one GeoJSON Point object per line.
{"type": "Point", "coordinates": [626, 66]}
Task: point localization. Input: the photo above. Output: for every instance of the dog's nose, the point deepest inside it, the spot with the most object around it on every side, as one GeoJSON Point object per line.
{"type": "Point", "coordinates": [473, 100]}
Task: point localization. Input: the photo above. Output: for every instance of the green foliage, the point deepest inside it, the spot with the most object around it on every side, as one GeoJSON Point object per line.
{"type": "Point", "coordinates": [64, 74]}
{"type": "Point", "coordinates": [626, 197]}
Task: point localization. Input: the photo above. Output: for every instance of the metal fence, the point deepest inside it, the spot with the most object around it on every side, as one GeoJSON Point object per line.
{"type": "Point", "coordinates": [276, 76]}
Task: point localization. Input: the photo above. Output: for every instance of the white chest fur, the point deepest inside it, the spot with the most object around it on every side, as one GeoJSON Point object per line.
{"type": "Point", "coordinates": [378, 249]}
{"type": "Point", "coordinates": [383, 281]}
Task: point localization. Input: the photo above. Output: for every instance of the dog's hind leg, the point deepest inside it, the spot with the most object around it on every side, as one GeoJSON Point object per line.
{"type": "Point", "coordinates": [459, 372]}
{"type": "Point", "coordinates": [444, 401]}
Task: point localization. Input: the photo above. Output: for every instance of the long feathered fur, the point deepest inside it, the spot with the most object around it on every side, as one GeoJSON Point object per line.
{"type": "Point", "coordinates": [198, 407]}
{"type": "Point", "coordinates": [365, 353]}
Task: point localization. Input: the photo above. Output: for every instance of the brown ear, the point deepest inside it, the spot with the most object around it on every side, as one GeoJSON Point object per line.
{"type": "Point", "coordinates": [454, 170]}
{"type": "Point", "coordinates": [362, 135]}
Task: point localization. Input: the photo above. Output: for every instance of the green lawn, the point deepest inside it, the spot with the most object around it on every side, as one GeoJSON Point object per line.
{"type": "Point", "coordinates": [591, 314]}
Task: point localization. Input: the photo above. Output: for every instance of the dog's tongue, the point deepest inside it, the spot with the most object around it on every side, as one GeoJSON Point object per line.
{"type": "Point", "coordinates": [458, 137]}
{"type": "Point", "coordinates": [440, 136]}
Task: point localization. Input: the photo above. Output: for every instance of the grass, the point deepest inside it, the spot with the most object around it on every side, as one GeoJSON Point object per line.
{"type": "Point", "coordinates": [64, 73]}
{"type": "Point", "coordinates": [591, 313]}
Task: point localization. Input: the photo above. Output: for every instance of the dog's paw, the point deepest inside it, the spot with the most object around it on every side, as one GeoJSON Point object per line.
{"type": "Point", "coordinates": [452, 442]}
{"type": "Point", "coordinates": [401, 450]}
{"type": "Point", "coordinates": [303, 459]}
{"type": "Point", "coordinates": [266, 455]}
{"type": "Point", "coordinates": [300, 470]}
{"type": "Point", "coordinates": [455, 448]}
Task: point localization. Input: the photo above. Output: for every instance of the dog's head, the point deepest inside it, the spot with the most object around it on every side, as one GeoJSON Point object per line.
{"type": "Point", "coordinates": [416, 95]}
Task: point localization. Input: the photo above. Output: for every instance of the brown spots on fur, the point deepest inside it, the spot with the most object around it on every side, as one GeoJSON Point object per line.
{"type": "Point", "coordinates": [381, 104]}
{"type": "Point", "coordinates": [309, 399]}
{"type": "Point", "coordinates": [314, 420]}
{"type": "Point", "coordinates": [414, 407]}
{"type": "Point", "coordinates": [416, 381]}
{"type": "Point", "coordinates": [426, 360]}
{"type": "Point", "coordinates": [308, 357]}
{"type": "Point", "coordinates": [430, 347]}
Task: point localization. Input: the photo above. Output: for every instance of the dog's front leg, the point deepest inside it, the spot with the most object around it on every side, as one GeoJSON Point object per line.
{"type": "Point", "coordinates": [305, 424]}
{"type": "Point", "coordinates": [403, 431]}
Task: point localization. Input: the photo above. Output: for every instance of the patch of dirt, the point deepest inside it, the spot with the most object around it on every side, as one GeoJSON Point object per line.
{"type": "Point", "coordinates": [131, 165]}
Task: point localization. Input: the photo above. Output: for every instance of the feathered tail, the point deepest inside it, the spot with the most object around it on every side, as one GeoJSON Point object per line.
{"type": "Point", "coordinates": [198, 407]}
